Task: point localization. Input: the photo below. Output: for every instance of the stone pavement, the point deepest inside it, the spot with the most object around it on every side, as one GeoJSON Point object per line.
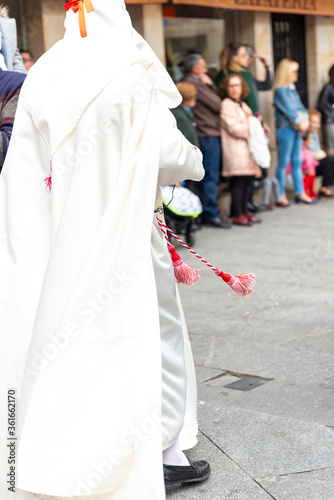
{"type": "Point", "coordinates": [265, 364]}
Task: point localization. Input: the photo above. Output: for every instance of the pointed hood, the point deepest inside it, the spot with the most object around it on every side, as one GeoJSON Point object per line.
{"type": "Point", "coordinates": [76, 69]}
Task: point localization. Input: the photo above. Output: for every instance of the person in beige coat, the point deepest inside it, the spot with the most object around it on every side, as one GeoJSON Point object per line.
{"type": "Point", "coordinates": [238, 163]}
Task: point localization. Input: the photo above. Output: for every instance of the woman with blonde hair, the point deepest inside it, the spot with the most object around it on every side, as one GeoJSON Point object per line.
{"type": "Point", "coordinates": [291, 121]}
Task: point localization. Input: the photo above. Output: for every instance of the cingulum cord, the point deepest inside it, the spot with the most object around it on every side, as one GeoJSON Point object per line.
{"type": "Point", "coordinates": [241, 285]}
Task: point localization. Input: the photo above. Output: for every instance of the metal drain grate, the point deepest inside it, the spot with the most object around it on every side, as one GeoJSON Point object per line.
{"type": "Point", "coordinates": [247, 383]}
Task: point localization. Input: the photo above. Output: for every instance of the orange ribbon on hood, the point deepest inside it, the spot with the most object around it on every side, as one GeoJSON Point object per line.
{"type": "Point", "coordinates": [78, 5]}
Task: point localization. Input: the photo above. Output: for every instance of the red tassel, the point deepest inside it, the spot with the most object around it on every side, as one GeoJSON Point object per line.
{"type": "Point", "coordinates": [183, 273]}
{"type": "Point", "coordinates": [48, 183]}
{"type": "Point", "coordinates": [241, 285]}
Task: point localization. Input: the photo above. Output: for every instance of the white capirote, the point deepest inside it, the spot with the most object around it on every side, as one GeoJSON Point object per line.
{"type": "Point", "coordinates": [78, 290]}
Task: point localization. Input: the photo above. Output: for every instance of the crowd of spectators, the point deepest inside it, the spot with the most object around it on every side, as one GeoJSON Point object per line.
{"type": "Point", "coordinates": [221, 116]}
{"type": "Point", "coordinates": [215, 116]}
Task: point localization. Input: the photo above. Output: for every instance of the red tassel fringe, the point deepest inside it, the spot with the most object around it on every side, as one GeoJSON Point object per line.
{"type": "Point", "coordinates": [48, 183]}
{"type": "Point", "coordinates": [183, 273]}
{"type": "Point", "coordinates": [241, 285]}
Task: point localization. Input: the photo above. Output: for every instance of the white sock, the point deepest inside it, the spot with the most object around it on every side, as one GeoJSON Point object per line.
{"type": "Point", "coordinates": [174, 456]}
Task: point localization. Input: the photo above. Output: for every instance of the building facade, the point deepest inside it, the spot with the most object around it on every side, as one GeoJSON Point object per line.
{"type": "Point", "coordinates": [299, 29]}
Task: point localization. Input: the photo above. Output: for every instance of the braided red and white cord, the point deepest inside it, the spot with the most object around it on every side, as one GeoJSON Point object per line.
{"type": "Point", "coordinates": [241, 285]}
{"type": "Point", "coordinates": [165, 228]}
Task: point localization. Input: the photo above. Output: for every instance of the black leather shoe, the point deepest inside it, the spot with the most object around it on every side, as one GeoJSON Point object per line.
{"type": "Point", "coordinates": [175, 475]}
{"type": "Point", "coordinates": [258, 207]}
{"type": "Point", "coordinates": [252, 208]}
{"type": "Point", "coordinates": [217, 222]}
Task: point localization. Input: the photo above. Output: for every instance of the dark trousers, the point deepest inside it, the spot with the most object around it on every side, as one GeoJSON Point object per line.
{"type": "Point", "coordinates": [326, 169]}
{"type": "Point", "coordinates": [239, 192]}
{"type": "Point", "coordinates": [206, 189]}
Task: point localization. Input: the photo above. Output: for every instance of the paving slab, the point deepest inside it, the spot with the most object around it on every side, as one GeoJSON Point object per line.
{"type": "Point", "coordinates": [277, 397]}
{"type": "Point", "coordinates": [229, 351]}
{"type": "Point", "coordinates": [265, 445]}
{"type": "Point", "coordinates": [328, 382]}
{"type": "Point", "coordinates": [314, 485]}
{"type": "Point", "coordinates": [204, 373]}
{"type": "Point", "coordinates": [227, 480]}
{"type": "Point", "coordinates": [277, 440]}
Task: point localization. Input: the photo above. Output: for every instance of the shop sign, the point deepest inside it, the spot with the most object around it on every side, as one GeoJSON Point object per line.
{"type": "Point", "coordinates": [279, 4]}
{"type": "Point", "coordinates": [315, 7]}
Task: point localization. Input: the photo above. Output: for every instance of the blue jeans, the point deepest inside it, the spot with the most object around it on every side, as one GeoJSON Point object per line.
{"type": "Point", "coordinates": [289, 151]}
{"type": "Point", "coordinates": [206, 189]}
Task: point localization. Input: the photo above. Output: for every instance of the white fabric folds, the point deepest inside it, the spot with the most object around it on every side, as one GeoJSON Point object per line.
{"type": "Point", "coordinates": [80, 335]}
{"type": "Point", "coordinates": [258, 143]}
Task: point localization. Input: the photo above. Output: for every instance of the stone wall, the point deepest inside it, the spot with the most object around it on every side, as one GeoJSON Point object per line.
{"type": "Point", "coordinates": [53, 16]}
{"type": "Point", "coordinates": [34, 27]}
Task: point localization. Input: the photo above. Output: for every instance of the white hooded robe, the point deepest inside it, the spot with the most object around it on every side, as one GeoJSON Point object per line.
{"type": "Point", "coordinates": [81, 266]}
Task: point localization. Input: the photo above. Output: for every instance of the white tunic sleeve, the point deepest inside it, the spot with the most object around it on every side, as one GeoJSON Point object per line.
{"type": "Point", "coordinates": [179, 160]}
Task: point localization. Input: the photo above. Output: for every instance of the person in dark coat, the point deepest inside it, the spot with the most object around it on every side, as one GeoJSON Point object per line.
{"type": "Point", "coordinates": [184, 115]}
{"type": "Point", "coordinates": [207, 115]}
{"type": "Point", "coordinates": [10, 88]}
{"type": "Point", "coordinates": [235, 60]}
{"type": "Point", "coordinates": [326, 108]}
{"type": "Point", "coordinates": [258, 86]}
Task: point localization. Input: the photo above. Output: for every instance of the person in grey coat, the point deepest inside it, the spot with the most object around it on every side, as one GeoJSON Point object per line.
{"type": "Point", "coordinates": [10, 58]}
{"type": "Point", "coordinates": [259, 85]}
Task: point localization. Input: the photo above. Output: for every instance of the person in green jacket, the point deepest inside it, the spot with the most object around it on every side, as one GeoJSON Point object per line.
{"type": "Point", "coordinates": [235, 59]}
{"type": "Point", "coordinates": [183, 114]}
